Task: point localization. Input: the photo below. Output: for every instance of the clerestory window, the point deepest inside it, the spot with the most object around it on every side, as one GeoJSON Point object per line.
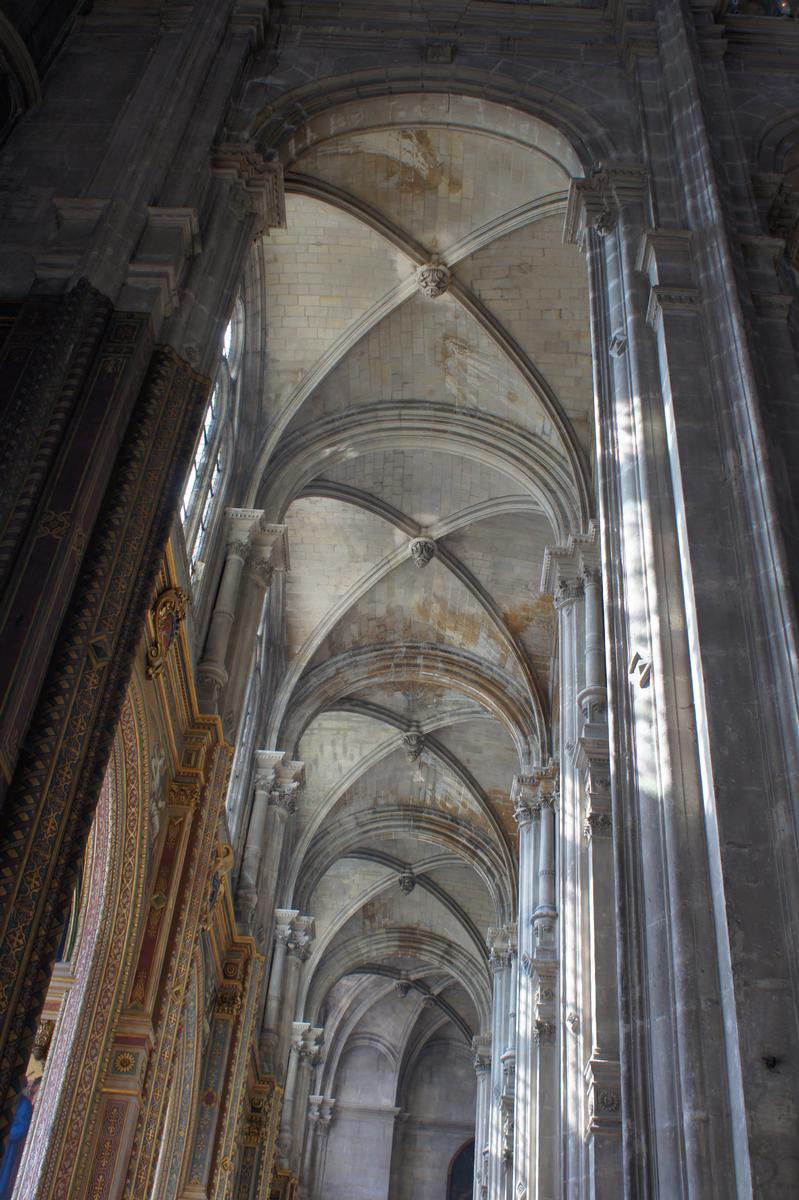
{"type": "Point", "coordinates": [206, 476]}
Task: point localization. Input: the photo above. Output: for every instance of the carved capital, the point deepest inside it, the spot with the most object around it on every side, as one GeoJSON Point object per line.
{"type": "Point", "coordinates": [544, 1032]}
{"type": "Point", "coordinates": [284, 798]}
{"type": "Point", "coordinates": [228, 1001]}
{"type": "Point", "coordinates": [255, 185]}
{"type": "Point", "coordinates": [184, 794]}
{"type": "Point", "coordinates": [597, 824]}
{"type": "Point", "coordinates": [524, 794]}
{"type": "Point", "coordinates": [260, 567]}
{"type": "Point", "coordinates": [595, 202]}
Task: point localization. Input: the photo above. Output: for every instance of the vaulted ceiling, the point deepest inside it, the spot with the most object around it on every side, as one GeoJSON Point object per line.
{"type": "Point", "coordinates": [415, 690]}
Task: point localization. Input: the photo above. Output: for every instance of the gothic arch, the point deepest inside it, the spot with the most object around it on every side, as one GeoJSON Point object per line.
{"type": "Point", "coordinates": [388, 563]}
{"type": "Point", "coordinates": [568, 132]}
{"type": "Point", "coordinates": [431, 947]}
{"type": "Point", "coordinates": [59, 1135]}
{"type": "Point", "coordinates": [490, 860]}
{"type": "Point", "coordinates": [527, 460]}
{"type": "Point", "coordinates": [777, 139]}
{"type": "Point", "coordinates": [491, 687]}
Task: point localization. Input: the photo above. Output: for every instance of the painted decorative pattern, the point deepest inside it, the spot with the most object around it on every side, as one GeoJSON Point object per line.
{"type": "Point", "coordinates": [186, 925]}
{"type": "Point", "coordinates": [49, 810]}
{"type": "Point", "coordinates": [233, 1113]}
{"type": "Point", "coordinates": [104, 963]}
{"type": "Point", "coordinates": [186, 1084]}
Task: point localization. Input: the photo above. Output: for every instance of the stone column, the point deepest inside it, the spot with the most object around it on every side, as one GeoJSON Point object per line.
{"type": "Point", "coordinates": [267, 553]}
{"type": "Point", "coordinates": [524, 796]}
{"type": "Point", "coordinates": [500, 1124]}
{"type": "Point", "coordinates": [592, 757]}
{"type": "Point", "coordinates": [321, 1137]}
{"type": "Point", "coordinates": [298, 950]}
{"type": "Point", "coordinates": [247, 890]}
{"type": "Point", "coordinates": [589, 1060]}
{"type": "Point", "coordinates": [675, 1056]}
{"type": "Point", "coordinates": [481, 1044]}
{"type": "Point", "coordinates": [320, 1119]}
{"type": "Point", "coordinates": [298, 1031]}
{"type": "Point", "coordinates": [280, 809]}
{"type": "Point", "coordinates": [303, 1049]}
{"type": "Point", "coordinates": [570, 606]}
{"type": "Point", "coordinates": [270, 1034]}
{"type": "Point", "coordinates": [544, 979]}
{"type": "Point", "coordinates": [310, 1058]}
{"type": "Point", "coordinates": [277, 783]}
{"type": "Point", "coordinates": [212, 672]}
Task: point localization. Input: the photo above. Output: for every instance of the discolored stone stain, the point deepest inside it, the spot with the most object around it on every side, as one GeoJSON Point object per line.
{"type": "Point", "coordinates": [449, 620]}
{"type": "Point", "coordinates": [540, 612]}
{"type": "Point", "coordinates": [500, 802]}
{"type": "Point", "coordinates": [462, 807]}
{"type": "Point", "coordinates": [415, 166]}
{"type": "Point", "coordinates": [469, 374]}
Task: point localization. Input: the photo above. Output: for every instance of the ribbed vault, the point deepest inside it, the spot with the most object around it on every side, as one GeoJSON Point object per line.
{"type": "Point", "coordinates": [415, 683]}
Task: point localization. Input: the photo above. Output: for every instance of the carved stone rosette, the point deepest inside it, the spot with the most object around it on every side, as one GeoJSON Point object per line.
{"type": "Point", "coordinates": [422, 551]}
{"type": "Point", "coordinates": [433, 279]}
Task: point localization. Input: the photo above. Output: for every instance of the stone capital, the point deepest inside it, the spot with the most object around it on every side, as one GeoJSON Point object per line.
{"type": "Point", "coordinates": [565, 567]}
{"type": "Point", "coordinates": [255, 184]}
{"type": "Point", "coordinates": [266, 764]}
{"type": "Point", "coordinates": [299, 1032]}
{"type": "Point", "coordinates": [603, 1094]}
{"type": "Point", "coordinates": [524, 796]}
{"type": "Point", "coordinates": [239, 525]}
{"type": "Point", "coordinates": [283, 799]}
{"type": "Point", "coordinates": [272, 541]}
{"type": "Point", "coordinates": [303, 933]}
{"type": "Point", "coordinates": [595, 202]}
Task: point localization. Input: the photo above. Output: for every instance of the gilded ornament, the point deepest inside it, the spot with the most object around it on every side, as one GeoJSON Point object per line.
{"type": "Point", "coordinates": [168, 613]}
{"type": "Point", "coordinates": [124, 1063]}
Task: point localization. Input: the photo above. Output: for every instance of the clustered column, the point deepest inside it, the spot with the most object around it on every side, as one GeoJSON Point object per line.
{"type": "Point", "coordinates": [525, 811]}
{"type": "Point", "coordinates": [277, 784]}
{"type": "Point", "coordinates": [586, 1020]}
{"type": "Point", "coordinates": [498, 1168]}
{"type": "Point", "coordinates": [481, 1045]}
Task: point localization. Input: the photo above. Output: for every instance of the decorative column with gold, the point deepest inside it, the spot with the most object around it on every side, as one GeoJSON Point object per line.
{"type": "Point", "coordinates": [258, 1138]}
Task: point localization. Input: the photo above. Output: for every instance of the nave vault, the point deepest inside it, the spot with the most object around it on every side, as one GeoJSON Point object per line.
{"type": "Point", "coordinates": [397, 600]}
